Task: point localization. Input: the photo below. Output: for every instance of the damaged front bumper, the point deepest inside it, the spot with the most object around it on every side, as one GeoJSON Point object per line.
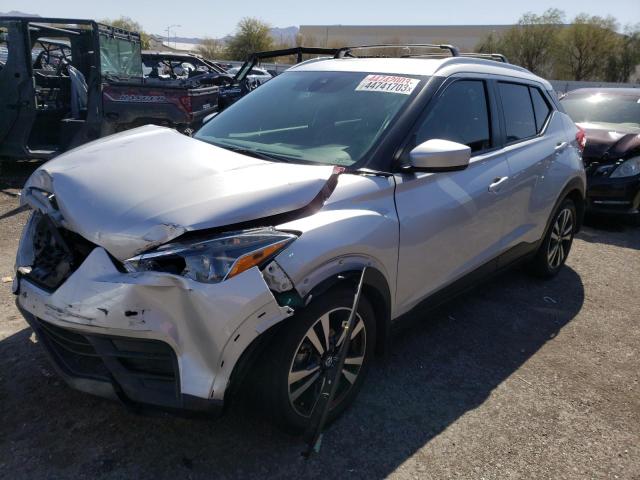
{"type": "Point", "coordinates": [149, 338]}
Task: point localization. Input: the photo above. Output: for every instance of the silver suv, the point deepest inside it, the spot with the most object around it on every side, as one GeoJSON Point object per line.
{"type": "Point", "coordinates": [170, 271]}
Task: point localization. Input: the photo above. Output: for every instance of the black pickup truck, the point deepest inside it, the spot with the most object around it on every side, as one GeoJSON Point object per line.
{"type": "Point", "coordinates": [64, 82]}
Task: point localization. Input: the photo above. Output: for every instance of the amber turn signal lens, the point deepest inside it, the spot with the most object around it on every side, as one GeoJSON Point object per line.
{"type": "Point", "coordinates": [255, 258]}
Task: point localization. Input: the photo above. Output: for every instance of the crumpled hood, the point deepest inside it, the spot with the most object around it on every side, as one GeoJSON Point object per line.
{"type": "Point", "coordinates": [138, 189]}
{"type": "Point", "coordinates": [606, 145]}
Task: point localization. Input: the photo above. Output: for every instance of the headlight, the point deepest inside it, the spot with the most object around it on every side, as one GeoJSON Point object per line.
{"type": "Point", "coordinates": [628, 168]}
{"type": "Point", "coordinates": [215, 259]}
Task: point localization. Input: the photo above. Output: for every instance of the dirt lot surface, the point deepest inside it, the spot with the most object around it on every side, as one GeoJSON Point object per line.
{"type": "Point", "coordinates": [517, 379]}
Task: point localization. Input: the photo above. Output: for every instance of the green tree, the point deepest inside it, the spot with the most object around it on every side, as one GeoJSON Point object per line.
{"type": "Point", "coordinates": [211, 48]}
{"type": "Point", "coordinates": [624, 57]}
{"type": "Point", "coordinates": [587, 44]}
{"type": "Point", "coordinates": [530, 43]}
{"type": "Point", "coordinates": [127, 23]}
{"type": "Point", "coordinates": [490, 43]}
{"type": "Point", "coordinates": [252, 35]}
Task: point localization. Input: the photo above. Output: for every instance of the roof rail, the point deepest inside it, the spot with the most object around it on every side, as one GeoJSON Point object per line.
{"type": "Point", "coordinates": [346, 51]}
{"type": "Point", "coordinates": [498, 57]}
{"type": "Point", "coordinates": [470, 59]}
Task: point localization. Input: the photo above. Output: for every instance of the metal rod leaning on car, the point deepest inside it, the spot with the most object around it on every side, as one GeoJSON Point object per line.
{"type": "Point", "coordinates": [320, 412]}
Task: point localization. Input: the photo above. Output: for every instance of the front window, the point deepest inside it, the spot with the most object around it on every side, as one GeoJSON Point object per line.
{"type": "Point", "coordinates": [318, 117]}
{"type": "Point", "coordinates": [460, 115]}
{"type": "Point", "coordinates": [119, 57]}
{"type": "Point", "coordinates": [613, 110]}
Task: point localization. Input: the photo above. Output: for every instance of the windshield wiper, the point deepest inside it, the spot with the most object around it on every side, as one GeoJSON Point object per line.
{"type": "Point", "coordinates": [369, 171]}
{"type": "Point", "coordinates": [255, 153]}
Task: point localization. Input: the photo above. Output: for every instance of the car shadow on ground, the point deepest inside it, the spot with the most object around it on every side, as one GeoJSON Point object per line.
{"type": "Point", "coordinates": [613, 231]}
{"type": "Point", "coordinates": [13, 174]}
{"type": "Point", "coordinates": [442, 365]}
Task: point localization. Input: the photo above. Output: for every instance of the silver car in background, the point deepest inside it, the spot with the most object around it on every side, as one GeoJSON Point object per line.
{"type": "Point", "coordinates": [171, 271]}
{"type": "Point", "coordinates": [256, 75]}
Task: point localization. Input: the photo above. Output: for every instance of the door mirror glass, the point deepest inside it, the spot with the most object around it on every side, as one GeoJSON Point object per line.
{"type": "Point", "coordinates": [438, 155]}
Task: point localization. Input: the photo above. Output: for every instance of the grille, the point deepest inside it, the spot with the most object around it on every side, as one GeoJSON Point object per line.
{"type": "Point", "coordinates": [145, 370]}
{"type": "Point", "coordinates": [74, 352]}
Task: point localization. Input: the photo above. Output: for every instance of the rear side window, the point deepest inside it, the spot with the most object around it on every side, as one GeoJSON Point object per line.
{"type": "Point", "coordinates": [120, 57]}
{"type": "Point", "coordinates": [460, 115]}
{"type": "Point", "coordinates": [540, 108]}
{"type": "Point", "coordinates": [518, 111]}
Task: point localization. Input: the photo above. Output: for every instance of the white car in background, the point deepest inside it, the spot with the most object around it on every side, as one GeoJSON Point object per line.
{"type": "Point", "coordinates": [257, 75]}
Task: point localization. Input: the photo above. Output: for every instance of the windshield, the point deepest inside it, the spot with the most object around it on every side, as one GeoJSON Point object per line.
{"type": "Point", "coordinates": [615, 109]}
{"type": "Point", "coordinates": [319, 117]}
{"type": "Point", "coordinates": [120, 58]}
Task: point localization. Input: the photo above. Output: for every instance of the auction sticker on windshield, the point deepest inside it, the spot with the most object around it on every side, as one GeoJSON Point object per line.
{"type": "Point", "coordinates": [388, 84]}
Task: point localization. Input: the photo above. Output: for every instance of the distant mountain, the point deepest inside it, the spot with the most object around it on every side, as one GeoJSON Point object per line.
{"type": "Point", "coordinates": [279, 35]}
{"type": "Point", "coordinates": [287, 34]}
{"type": "Point", "coordinates": [15, 13]}
{"type": "Point", "coordinates": [194, 40]}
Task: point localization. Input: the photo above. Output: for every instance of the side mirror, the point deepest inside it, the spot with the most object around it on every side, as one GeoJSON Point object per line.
{"type": "Point", "coordinates": [209, 117]}
{"type": "Point", "coordinates": [439, 156]}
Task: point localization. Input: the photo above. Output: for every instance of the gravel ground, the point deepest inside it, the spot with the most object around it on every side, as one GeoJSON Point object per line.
{"type": "Point", "coordinates": [517, 379]}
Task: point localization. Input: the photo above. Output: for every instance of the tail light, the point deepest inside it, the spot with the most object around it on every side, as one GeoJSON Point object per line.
{"type": "Point", "coordinates": [185, 101]}
{"type": "Point", "coordinates": [581, 138]}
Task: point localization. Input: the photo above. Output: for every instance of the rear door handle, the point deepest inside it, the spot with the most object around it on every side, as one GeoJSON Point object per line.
{"type": "Point", "coordinates": [495, 185]}
{"type": "Point", "coordinates": [561, 146]}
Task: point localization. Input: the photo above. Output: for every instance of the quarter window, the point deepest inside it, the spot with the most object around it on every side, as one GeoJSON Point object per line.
{"type": "Point", "coordinates": [540, 108]}
{"type": "Point", "coordinates": [460, 115]}
{"type": "Point", "coordinates": [518, 112]}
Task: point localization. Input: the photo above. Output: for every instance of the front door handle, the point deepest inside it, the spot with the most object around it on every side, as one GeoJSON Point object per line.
{"type": "Point", "coordinates": [497, 182]}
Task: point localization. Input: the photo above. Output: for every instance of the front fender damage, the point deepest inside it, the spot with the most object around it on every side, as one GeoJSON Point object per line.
{"type": "Point", "coordinates": [207, 325]}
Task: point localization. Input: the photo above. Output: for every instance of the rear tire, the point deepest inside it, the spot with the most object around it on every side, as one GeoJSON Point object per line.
{"type": "Point", "coordinates": [293, 367]}
{"type": "Point", "coordinates": [555, 247]}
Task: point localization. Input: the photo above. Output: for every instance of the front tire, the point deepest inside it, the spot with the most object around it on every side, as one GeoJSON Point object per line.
{"type": "Point", "coordinates": [296, 362]}
{"type": "Point", "coordinates": [555, 247]}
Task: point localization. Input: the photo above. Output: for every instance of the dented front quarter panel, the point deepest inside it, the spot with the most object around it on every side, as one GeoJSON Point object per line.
{"type": "Point", "coordinates": [357, 226]}
{"type": "Point", "coordinates": [207, 325]}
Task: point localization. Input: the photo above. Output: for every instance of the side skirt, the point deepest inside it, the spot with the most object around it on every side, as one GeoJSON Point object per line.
{"type": "Point", "coordinates": [505, 261]}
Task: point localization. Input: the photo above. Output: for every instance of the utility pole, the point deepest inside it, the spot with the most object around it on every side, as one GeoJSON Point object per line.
{"type": "Point", "coordinates": [168, 30]}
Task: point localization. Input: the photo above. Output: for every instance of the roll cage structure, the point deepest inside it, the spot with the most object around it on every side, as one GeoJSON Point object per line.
{"type": "Point", "coordinates": [51, 82]}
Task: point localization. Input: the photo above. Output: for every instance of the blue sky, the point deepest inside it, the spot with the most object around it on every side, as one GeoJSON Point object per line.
{"type": "Point", "coordinates": [218, 18]}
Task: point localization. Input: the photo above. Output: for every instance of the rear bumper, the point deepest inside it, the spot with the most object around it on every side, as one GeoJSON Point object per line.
{"type": "Point", "coordinates": [618, 196]}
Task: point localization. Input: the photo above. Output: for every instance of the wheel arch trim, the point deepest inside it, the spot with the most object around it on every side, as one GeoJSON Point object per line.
{"type": "Point", "coordinates": [575, 190]}
{"type": "Point", "coordinates": [375, 288]}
